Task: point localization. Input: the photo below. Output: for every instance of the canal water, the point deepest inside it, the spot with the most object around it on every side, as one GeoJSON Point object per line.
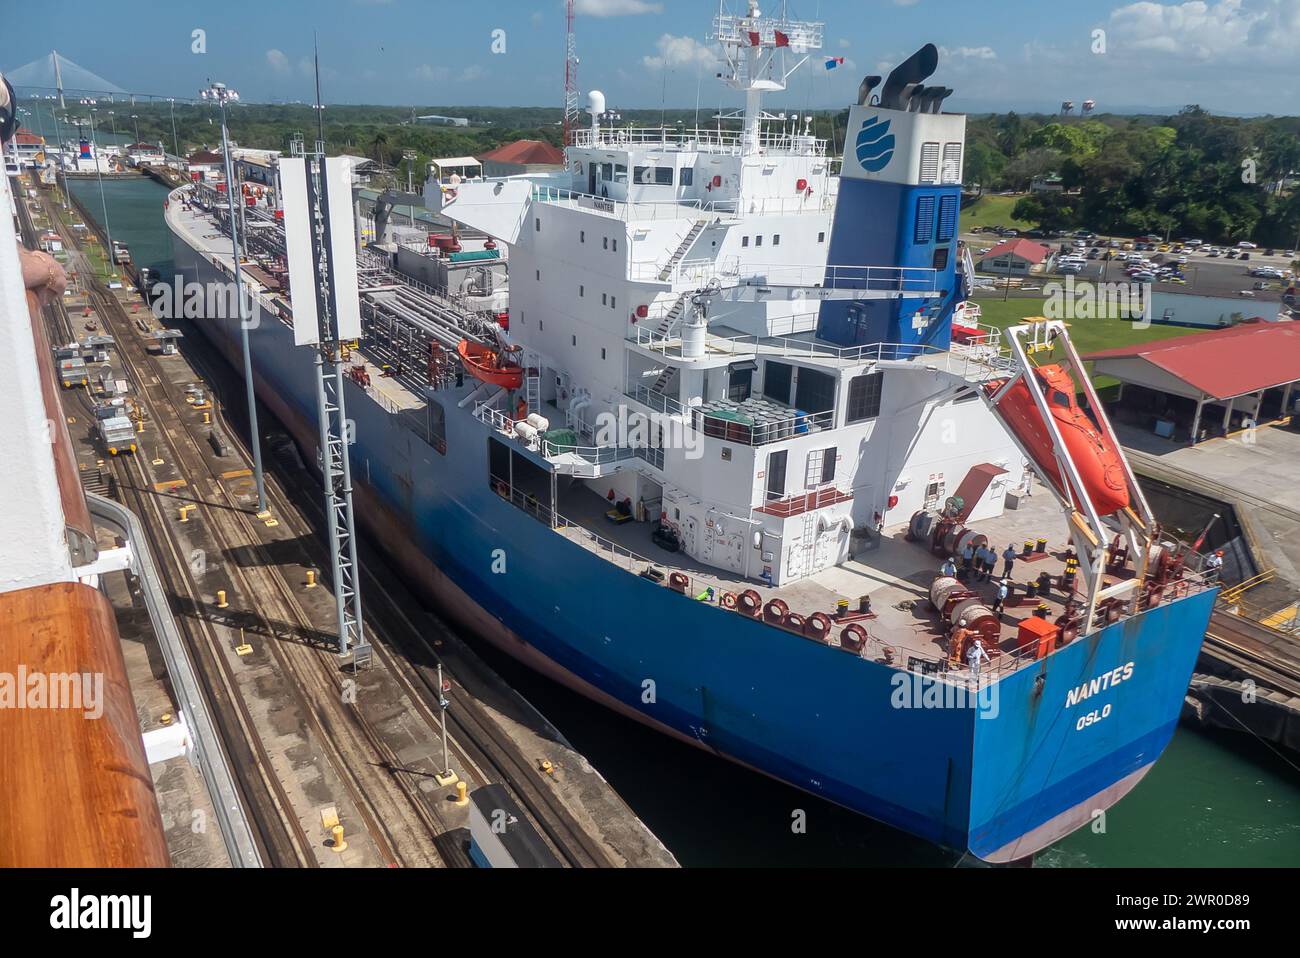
{"type": "Point", "coordinates": [1215, 799]}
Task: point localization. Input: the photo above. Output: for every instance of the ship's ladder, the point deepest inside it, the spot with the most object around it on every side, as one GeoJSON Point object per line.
{"type": "Point", "coordinates": [533, 381]}
{"type": "Point", "coordinates": [685, 247]}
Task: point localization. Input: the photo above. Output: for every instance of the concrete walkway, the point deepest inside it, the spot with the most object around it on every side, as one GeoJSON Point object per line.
{"type": "Point", "coordinates": [1259, 475]}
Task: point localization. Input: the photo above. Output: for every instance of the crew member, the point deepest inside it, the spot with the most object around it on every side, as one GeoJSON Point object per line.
{"type": "Point", "coordinates": [1009, 558]}
{"type": "Point", "coordinates": [975, 656]}
{"type": "Point", "coordinates": [967, 557]}
{"type": "Point", "coordinates": [948, 568]}
{"type": "Point", "coordinates": [1001, 597]}
{"type": "Point", "coordinates": [957, 642]}
{"type": "Point", "coordinates": [1213, 567]}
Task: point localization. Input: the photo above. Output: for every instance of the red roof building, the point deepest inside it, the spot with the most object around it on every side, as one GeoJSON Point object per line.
{"type": "Point", "coordinates": [522, 156]}
{"type": "Point", "coordinates": [1219, 366]}
{"type": "Point", "coordinates": [528, 152]}
{"type": "Point", "coordinates": [1014, 256]}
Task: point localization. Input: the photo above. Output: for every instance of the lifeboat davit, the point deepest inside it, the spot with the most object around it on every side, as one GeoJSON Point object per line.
{"type": "Point", "coordinates": [491, 365]}
{"type": "Point", "coordinates": [1095, 457]}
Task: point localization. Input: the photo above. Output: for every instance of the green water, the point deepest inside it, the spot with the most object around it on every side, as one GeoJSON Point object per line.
{"type": "Point", "coordinates": [135, 216]}
{"type": "Point", "coordinates": [1214, 799]}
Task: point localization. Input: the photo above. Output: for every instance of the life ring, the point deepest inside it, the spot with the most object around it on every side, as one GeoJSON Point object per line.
{"type": "Point", "coordinates": [728, 600]}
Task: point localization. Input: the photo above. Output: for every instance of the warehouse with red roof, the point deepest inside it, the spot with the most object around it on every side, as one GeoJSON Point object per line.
{"type": "Point", "coordinates": [522, 156]}
{"type": "Point", "coordinates": [1178, 386]}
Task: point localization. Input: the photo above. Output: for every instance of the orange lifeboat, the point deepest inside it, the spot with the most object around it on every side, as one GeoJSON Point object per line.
{"type": "Point", "coordinates": [491, 365]}
{"type": "Point", "coordinates": [1096, 457]}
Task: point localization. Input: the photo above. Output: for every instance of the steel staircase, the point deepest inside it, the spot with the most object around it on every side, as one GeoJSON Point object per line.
{"type": "Point", "coordinates": [683, 249]}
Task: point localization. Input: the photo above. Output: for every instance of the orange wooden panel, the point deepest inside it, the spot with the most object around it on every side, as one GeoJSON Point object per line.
{"type": "Point", "coordinates": [74, 791]}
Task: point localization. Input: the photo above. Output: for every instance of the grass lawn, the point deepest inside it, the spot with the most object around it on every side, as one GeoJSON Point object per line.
{"type": "Point", "coordinates": [1088, 335]}
{"type": "Point", "coordinates": [991, 210]}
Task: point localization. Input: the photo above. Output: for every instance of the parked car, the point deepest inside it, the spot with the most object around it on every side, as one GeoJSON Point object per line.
{"type": "Point", "coordinates": [1245, 245]}
{"type": "Point", "coordinates": [1244, 256]}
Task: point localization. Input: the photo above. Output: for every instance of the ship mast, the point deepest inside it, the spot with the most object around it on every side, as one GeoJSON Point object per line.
{"type": "Point", "coordinates": [754, 52]}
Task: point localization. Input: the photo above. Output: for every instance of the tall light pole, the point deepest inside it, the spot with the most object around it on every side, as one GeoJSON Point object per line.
{"type": "Point", "coordinates": [223, 94]}
{"type": "Point", "coordinates": [136, 121]}
{"type": "Point", "coordinates": [175, 143]}
{"type": "Point", "coordinates": [108, 230]}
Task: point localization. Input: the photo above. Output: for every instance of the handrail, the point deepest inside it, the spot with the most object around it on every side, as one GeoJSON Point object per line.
{"type": "Point", "coordinates": [211, 760]}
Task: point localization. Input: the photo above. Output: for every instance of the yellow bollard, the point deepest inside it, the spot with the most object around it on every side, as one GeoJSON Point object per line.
{"type": "Point", "coordinates": [139, 423]}
{"type": "Point", "coordinates": [185, 513]}
{"type": "Point", "coordinates": [462, 793]}
{"type": "Point", "coordinates": [311, 579]}
{"type": "Point", "coordinates": [338, 844]}
{"type": "Point", "coordinates": [221, 599]}
{"type": "Point", "coordinates": [207, 419]}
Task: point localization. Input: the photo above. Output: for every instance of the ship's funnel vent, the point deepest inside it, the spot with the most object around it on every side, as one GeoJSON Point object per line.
{"type": "Point", "coordinates": [864, 91]}
{"type": "Point", "coordinates": [911, 72]}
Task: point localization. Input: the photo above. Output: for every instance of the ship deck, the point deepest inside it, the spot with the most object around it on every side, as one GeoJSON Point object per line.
{"type": "Point", "coordinates": [894, 572]}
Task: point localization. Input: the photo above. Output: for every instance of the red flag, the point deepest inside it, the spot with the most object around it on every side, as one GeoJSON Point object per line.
{"type": "Point", "coordinates": [781, 39]}
{"type": "Point", "coordinates": [754, 39]}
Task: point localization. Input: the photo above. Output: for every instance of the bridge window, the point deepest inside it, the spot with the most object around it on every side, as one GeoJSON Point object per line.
{"type": "Point", "coordinates": [776, 239]}
{"type": "Point", "coordinates": [815, 391]}
{"type": "Point", "coordinates": [821, 237]}
{"type": "Point", "coordinates": [653, 175]}
{"type": "Point", "coordinates": [864, 397]}
{"type": "Point", "coordinates": [744, 241]}
{"type": "Point", "coordinates": [688, 176]}
{"type": "Point", "coordinates": [776, 381]}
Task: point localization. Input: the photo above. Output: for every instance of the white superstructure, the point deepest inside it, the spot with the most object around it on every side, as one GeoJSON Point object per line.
{"type": "Point", "coordinates": [665, 301]}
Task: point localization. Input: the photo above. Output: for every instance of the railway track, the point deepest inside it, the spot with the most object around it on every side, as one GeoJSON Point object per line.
{"type": "Point", "coordinates": [480, 744]}
{"type": "Point", "coordinates": [281, 840]}
{"type": "Point", "coordinates": [400, 637]}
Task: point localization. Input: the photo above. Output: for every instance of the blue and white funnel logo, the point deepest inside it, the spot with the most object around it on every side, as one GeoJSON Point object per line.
{"type": "Point", "coordinates": [875, 145]}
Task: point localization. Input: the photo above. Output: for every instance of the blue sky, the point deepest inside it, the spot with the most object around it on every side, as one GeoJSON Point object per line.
{"type": "Point", "coordinates": [1233, 56]}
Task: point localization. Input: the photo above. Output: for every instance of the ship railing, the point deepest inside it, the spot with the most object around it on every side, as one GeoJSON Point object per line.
{"type": "Point", "coordinates": [636, 210]}
{"type": "Point", "coordinates": [553, 451]}
{"type": "Point", "coordinates": [695, 272]}
{"type": "Point", "coordinates": [698, 139]}
{"type": "Point", "coordinates": [659, 402]}
{"type": "Point", "coordinates": [715, 425]}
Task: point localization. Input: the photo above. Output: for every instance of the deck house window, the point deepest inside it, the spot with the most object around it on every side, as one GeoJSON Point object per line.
{"type": "Point", "coordinates": [864, 397]}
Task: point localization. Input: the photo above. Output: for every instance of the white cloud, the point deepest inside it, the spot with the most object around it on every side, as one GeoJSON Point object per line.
{"type": "Point", "coordinates": [277, 60]}
{"type": "Point", "coordinates": [430, 74]}
{"type": "Point", "coordinates": [1222, 30]}
{"type": "Point", "coordinates": [615, 8]}
{"type": "Point", "coordinates": [968, 53]}
{"type": "Point", "coordinates": [471, 74]}
{"type": "Point", "coordinates": [679, 52]}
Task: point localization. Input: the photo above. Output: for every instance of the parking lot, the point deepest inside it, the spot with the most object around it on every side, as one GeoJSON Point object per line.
{"type": "Point", "coordinates": [1204, 274]}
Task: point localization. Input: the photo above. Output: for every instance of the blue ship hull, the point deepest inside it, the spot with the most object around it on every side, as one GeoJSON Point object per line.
{"type": "Point", "coordinates": [1001, 782]}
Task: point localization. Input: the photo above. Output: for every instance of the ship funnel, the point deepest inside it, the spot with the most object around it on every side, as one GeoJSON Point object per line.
{"type": "Point", "coordinates": [864, 91]}
{"type": "Point", "coordinates": [915, 69]}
